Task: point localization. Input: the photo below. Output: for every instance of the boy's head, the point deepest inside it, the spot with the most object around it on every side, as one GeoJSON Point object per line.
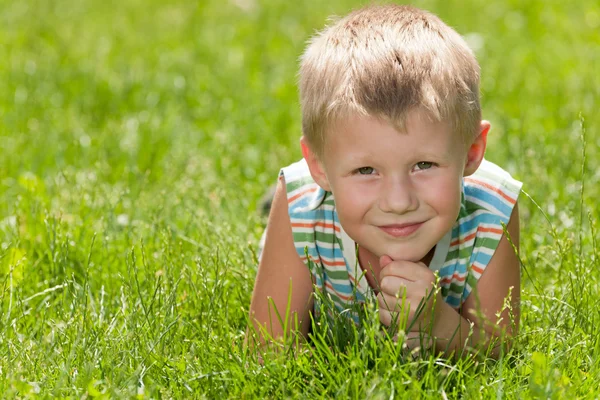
{"type": "Point", "coordinates": [386, 61]}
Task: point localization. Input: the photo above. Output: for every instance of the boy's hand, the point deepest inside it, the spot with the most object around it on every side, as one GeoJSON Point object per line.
{"type": "Point", "coordinates": [418, 281]}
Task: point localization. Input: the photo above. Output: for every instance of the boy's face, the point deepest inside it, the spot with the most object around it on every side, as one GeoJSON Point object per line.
{"type": "Point", "coordinates": [396, 194]}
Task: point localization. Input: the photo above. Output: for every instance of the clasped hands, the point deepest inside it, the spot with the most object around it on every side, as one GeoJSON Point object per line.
{"type": "Point", "coordinates": [411, 283]}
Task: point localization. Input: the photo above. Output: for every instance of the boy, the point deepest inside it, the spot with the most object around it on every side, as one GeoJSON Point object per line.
{"type": "Point", "coordinates": [393, 182]}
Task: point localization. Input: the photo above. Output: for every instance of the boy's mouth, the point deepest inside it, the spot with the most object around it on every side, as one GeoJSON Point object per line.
{"type": "Point", "coordinates": [401, 230]}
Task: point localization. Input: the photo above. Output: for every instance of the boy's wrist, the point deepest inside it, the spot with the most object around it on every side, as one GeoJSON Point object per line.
{"type": "Point", "coordinates": [441, 329]}
{"type": "Point", "coordinates": [443, 313]}
{"type": "Point", "coordinates": [433, 316]}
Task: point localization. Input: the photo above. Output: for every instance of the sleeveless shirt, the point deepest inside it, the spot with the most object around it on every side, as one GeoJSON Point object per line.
{"type": "Point", "coordinates": [460, 257]}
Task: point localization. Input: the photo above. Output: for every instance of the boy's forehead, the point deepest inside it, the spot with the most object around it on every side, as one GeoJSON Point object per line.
{"type": "Point", "coordinates": [355, 134]}
{"type": "Point", "coordinates": [415, 119]}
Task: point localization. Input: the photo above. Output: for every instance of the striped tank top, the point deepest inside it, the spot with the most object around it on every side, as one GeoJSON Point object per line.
{"type": "Point", "coordinates": [460, 257]}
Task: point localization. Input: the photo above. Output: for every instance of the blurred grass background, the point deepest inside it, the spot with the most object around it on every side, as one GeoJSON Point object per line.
{"type": "Point", "coordinates": [136, 139]}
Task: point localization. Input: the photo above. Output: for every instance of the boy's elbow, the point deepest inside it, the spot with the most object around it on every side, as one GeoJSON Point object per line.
{"type": "Point", "coordinates": [501, 342]}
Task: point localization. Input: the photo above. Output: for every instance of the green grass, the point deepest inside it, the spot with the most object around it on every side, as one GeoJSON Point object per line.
{"type": "Point", "coordinates": [136, 139]}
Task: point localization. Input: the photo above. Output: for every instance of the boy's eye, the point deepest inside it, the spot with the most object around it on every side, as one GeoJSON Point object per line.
{"type": "Point", "coordinates": [424, 165]}
{"type": "Point", "coordinates": [365, 170]}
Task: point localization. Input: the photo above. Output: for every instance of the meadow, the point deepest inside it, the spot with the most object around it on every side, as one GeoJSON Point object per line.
{"type": "Point", "coordinates": [137, 138]}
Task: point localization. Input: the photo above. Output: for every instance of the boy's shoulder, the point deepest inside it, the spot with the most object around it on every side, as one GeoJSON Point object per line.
{"type": "Point", "coordinates": [303, 193]}
{"type": "Point", "coordinates": [492, 173]}
{"type": "Point", "coordinates": [491, 188]}
{"type": "Point", "coordinates": [490, 196]}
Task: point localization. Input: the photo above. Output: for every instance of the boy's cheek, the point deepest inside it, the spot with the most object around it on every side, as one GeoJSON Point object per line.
{"type": "Point", "coordinates": [352, 208]}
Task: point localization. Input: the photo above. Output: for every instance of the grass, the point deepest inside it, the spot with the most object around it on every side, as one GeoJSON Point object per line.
{"type": "Point", "coordinates": [137, 139]}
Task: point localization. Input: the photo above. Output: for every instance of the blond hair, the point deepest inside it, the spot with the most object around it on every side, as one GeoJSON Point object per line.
{"type": "Point", "coordinates": [385, 61]}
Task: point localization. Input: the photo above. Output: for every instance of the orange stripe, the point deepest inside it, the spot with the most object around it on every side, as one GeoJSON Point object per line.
{"type": "Point", "coordinates": [334, 263]}
{"type": "Point", "coordinates": [493, 230]}
{"type": "Point", "coordinates": [477, 269]}
{"type": "Point", "coordinates": [315, 224]}
{"type": "Point", "coordinates": [464, 239]}
{"type": "Point", "coordinates": [455, 276]}
{"type": "Point", "coordinates": [302, 193]}
{"type": "Point", "coordinates": [493, 189]}
{"type": "Point", "coordinates": [303, 225]}
{"type": "Point", "coordinates": [324, 225]}
{"type": "Point", "coordinates": [328, 263]}
{"type": "Point", "coordinates": [472, 235]}
{"type": "Point", "coordinates": [341, 296]}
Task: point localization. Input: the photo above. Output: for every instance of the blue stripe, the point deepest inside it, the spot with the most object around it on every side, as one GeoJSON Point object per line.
{"type": "Point", "coordinates": [482, 218]}
{"type": "Point", "coordinates": [480, 257]}
{"type": "Point", "coordinates": [334, 254]}
{"type": "Point", "coordinates": [305, 216]}
{"type": "Point", "coordinates": [459, 267]}
{"type": "Point", "coordinates": [311, 215]}
{"type": "Point", "coordinates": [466, 293]}
{"type": "Point", "coordinates": [311, 252]}
{"type": "Point", "coordinates": [342, 288]}
{"type": "Point", "coordinates": [453, 301]}
{"type": "Point", "coordinates": [487, 197]}
{"type": "Point", "coordinates": [301, 203]}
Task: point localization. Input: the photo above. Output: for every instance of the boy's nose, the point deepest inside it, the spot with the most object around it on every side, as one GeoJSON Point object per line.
{"type": "Point", "coordinates": [398, 197]}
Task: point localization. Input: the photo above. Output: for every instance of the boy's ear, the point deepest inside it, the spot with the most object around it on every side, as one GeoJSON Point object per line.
{"type": "Point", "coordinates": [477, 149]}
{"type": "Point", "coordinates": [314, 165]}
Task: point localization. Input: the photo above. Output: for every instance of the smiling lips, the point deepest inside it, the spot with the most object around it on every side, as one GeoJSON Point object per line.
{"type": "Point", "coordinates": [401, 230]}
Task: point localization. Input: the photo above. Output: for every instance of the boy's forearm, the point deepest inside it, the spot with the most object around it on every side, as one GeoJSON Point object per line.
{"type": "Point", "coordinates": [453, 334]}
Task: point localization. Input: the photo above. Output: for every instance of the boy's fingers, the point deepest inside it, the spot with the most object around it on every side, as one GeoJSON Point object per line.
{"type": "Point", "coordinates": [384, 260]}
{"type": "Point", "coordinates": [392, 285]}
{"type": "Point", "coordinates": [391, 302]}
{"type": "Point", "coordinates": [386, 317]}
{"type": "Point", "coordinates": [398, 268]}
{"type": "Point", "coordinates": [390, 309]}
{"type": "Point", "coordinates": [386, 302]}
{"type": "Point", "coordinates": [408, 270]}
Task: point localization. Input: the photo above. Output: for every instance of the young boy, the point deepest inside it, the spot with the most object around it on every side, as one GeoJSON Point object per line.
{"type": "Point", "coordinates": [393, 187]}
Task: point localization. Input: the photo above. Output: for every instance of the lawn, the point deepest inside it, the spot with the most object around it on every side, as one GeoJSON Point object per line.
{"type": "Point", "coordinates": [137, 138]}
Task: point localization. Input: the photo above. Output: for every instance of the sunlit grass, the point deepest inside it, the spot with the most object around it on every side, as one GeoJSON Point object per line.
{"type": "Point", "coordinates": [136, 139]}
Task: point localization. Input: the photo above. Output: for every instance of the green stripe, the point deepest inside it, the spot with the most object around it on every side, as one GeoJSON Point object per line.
{"type": "Point", "coordinates": [294, 185]}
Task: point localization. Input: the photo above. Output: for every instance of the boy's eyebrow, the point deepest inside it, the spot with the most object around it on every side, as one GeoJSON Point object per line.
{"type": "Point", "coordinates": [370, 158]}
{"type": "Point", "coordinates": [359, 158]}
{"type": "Point", "coordinates": [431, 155]}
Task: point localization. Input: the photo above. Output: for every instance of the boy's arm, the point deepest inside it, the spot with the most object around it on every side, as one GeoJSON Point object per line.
{"type": "Point", "coordinates": [280, 269]}
{"type": "Point", "coordinates": [485, 307]}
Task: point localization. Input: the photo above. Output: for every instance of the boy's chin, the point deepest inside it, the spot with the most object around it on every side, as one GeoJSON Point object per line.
{"type": "Point", "coordinates": [423, 256]}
